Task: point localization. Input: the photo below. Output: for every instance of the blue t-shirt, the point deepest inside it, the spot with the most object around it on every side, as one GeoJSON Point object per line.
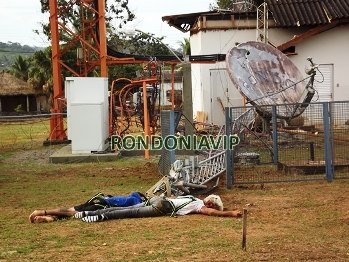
{"type": "Point", "coordinates": [124, 201]}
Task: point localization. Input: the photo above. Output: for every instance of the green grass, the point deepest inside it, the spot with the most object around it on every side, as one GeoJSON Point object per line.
{"type": "Point", "coordinates": [302, 221]}
{"type": "Point", "coordinates": [286, 222]}
{"type": "Point", "coordinates": [23, 135]}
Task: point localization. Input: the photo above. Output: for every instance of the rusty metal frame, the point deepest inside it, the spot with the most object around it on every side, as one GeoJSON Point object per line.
{"type": "Point", "coordinates": [57, 131]}
{"type": "Point", "coordinates": [95, 53]}
{"type": "Point", "coordinates": [94, 46]}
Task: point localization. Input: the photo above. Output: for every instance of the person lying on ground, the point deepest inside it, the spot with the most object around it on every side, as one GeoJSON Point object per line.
{"type": "Point", "coordinates": [162, 206]}
{"type": "Point", "coordinates": [99, 201]}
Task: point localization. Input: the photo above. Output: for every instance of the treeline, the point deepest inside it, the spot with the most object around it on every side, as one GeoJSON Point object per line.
{"type": "Point", "coordinates": [35, 66]}
{"type": "Point", "coordinates": [10, 51]}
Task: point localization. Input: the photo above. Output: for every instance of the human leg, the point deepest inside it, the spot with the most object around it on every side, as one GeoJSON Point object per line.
{"type": "Point", "coordinates": [156, 202]}
{"type": "Point", "coordinates": [158, 208]}
{"type": "Point", "coordinates": [95, 203]}
{"type": "Point", "coordinates": [58, 212]}
{"type": "Point", "coordinates": [102, 211]}
{"type": "Point", "coordinates": [145, 211]}
{"type": "Point", "coordinates": [45, 219]}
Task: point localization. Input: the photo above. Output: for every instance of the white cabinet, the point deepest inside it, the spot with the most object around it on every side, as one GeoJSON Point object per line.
{"type": "Point", "coordinates": [87, 113]}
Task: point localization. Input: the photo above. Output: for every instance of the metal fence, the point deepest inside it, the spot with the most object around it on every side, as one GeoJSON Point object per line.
{"type": "Point", "coordinates": [312, 146]}
{"type": "Point", "coordinates": [23, 132]}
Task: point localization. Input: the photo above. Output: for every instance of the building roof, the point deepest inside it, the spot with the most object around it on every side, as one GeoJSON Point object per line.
{"type": "Point", "coordinates": [286, 13]}
{"type": "Point", "coordinates": [290, 13]}
{"type": "Point", "coordinates": [186, 22]}
{"type": "Point", "coordinates": [12, 86]}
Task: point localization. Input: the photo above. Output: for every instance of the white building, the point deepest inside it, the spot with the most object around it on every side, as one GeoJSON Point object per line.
{"type": "Point", "coordinates": [301, 29]}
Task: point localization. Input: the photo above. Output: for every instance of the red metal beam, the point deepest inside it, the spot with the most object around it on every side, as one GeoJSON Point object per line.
{"type": "Point", "coordinates": [57, 131]}
{"type": "Point", "coordinates": [102, 38]}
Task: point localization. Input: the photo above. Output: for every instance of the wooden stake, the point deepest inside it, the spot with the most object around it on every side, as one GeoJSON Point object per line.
{"type": "Point", "coordinates": [244, 228]}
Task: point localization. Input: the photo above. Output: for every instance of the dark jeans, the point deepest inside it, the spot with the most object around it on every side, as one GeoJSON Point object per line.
{"type": "Point", "coordinates": [158, 207]}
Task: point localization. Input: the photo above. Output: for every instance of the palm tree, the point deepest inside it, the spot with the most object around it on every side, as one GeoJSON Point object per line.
{"type": "Point", "coordinates": [20, 68]}
{"type": "Point", "coordinates": [40, 72]}
{"type": "Point", "coordinates": [185, 46]}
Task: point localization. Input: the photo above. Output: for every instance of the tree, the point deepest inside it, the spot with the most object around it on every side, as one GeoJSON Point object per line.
{"type": "Point", "coordinates": [229, 4]}
{"type": "Point", "coordinates": [116, 11]}
{"type": "Point", "coordinates": [40, 70]}
{"type": "Point", "coordinates": [20, 68]}
{"type": "Point", "coordinates": [185, 45]}
{"type": "Point", "coordinates": [139, 43]}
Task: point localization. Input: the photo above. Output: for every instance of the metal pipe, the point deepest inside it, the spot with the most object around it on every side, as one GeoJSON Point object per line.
{"type": "Point", "coordinates": [146, 120]}
{"type": "Point", "coordinates": [102, 39]}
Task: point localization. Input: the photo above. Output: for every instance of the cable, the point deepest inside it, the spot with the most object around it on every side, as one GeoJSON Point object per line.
{"type": "Point", "coordinates": [32, 116]}
{"type": "Point", "coordinates": [323, 78]}
{"type": "Point", "coordinates": [269, 95]}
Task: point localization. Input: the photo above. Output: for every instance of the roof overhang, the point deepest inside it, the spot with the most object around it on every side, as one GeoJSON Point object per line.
{"type": "Point", "coordinates": [188, 22]}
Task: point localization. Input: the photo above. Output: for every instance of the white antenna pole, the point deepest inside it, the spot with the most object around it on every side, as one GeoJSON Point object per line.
{"type": "Point", "coordinates": [262, 23]}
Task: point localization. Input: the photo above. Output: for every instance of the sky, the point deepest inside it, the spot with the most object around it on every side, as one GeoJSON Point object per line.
{"type": "Point", "coordinates": [18, 19]}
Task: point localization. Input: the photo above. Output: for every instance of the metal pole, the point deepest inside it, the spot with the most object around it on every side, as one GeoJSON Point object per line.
{"type": "Point", "coordinates": [244, 229]}
{"type": "Point", "coordinates": [229, 165]}
{"type": "Point", "coordinates": [57, 131]}
{"type": "Point", "coordinates": [188, 103]}
{"type": "Point", "coordinates": [275, 136]}
{"type": "Point", "coordinates": [146, 120]}
{"type": "Point", "coordinates": [102, 38]}
{"type": "Point", "coordinates": [312, 151]}
{"type": "Point", "coordinates": [327, 137]}
{"type": "Point", "coordinates": [172, 87]}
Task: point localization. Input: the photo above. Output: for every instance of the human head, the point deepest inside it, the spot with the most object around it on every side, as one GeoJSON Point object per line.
{"type": "Point", "coordinates": [214, 201]}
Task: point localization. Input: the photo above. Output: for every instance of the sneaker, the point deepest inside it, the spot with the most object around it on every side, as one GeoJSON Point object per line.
{"type": "Point", "coordinates": [80, 215]}
{"type": "Point", "coordinates": [91, 219]}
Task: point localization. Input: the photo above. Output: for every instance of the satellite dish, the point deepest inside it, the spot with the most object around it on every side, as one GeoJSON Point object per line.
{"type": "Point", "coordinates": [266, 76]}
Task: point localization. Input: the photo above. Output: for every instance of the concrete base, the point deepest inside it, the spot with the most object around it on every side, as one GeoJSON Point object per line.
{"type": "Point", "coordinates": [130, 153]}
{"type": "Point", "coordinates": [64, 155]}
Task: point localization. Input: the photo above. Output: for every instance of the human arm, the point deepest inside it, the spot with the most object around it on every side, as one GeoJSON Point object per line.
{"type": "Point", "coordinates": [214, 212]}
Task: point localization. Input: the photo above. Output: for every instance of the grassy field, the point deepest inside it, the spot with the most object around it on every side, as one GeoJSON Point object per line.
{"type": "Point", "coordinates": [23, 135]}
{"type": "Point", "coordinates": [286, 222]}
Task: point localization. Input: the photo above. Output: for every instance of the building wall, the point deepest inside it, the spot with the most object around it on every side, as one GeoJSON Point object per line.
{"type": "Point", "coordinates": [211, 42]}
{"type": "Point", "coordinates": [165, 100]}
{"type": "Point", "coordinates": [330, 47]}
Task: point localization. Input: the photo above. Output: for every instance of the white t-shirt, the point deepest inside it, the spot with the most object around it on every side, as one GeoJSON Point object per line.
{"type": "Point", "coordinates": [192, 207]}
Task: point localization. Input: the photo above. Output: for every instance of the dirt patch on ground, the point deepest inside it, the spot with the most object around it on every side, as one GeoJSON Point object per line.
{"type": "Point", "coordinates": [40, 156]}
{"type": "Point", "coordinates": [32, 155]}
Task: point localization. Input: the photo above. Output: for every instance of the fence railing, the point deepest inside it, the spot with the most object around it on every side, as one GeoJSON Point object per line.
{"type": "Point", "coordinates": [313, 146]}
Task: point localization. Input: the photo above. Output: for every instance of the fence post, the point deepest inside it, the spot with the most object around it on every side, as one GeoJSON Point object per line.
{"type": "Point", "coordinates": [167, 129]}
{"type": "Point", "coordinates": [275, 136]}
{"type": "Point", "coordinates": [327, 137]}
{"type": "Point", "coordinates": [229, 168]}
